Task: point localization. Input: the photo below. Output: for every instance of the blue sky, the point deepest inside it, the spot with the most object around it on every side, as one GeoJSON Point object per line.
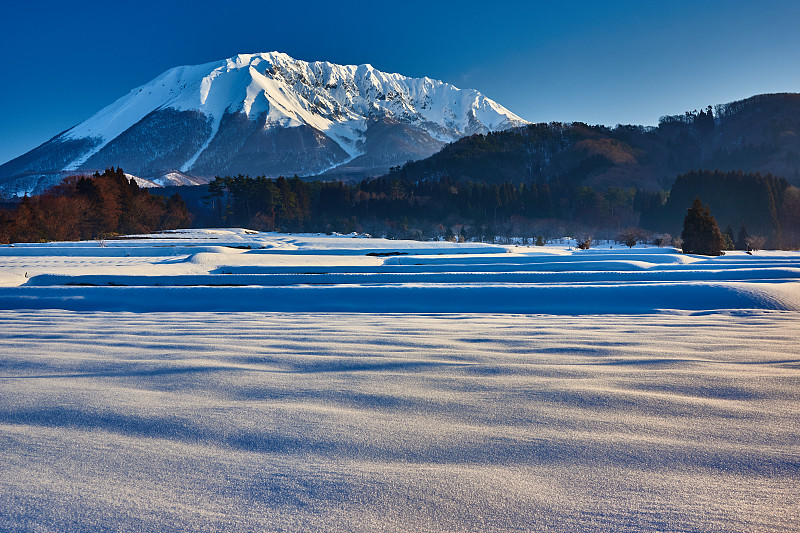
{"type": "Point", "coordinates": [598, 62]}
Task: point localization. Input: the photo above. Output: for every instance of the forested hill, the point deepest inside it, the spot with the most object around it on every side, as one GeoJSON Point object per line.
{"type": "Point", "coordinates": [759, 134]}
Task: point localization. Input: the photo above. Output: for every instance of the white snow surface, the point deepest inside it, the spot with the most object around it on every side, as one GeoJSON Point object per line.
{"type": "Point", "coordinates": [334, 99]}
{"type": "Point", "coordinates": [209, 380]}
{"type": "Point", "coordinates": [241, 270]}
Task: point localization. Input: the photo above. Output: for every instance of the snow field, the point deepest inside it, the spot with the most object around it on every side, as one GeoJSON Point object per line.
{"type": "Point", "coordinates": [241, 270]}
{"type": "Point", "coordinates": [209, 380]}
{"type": "Point", "coordinates": [353, 422]}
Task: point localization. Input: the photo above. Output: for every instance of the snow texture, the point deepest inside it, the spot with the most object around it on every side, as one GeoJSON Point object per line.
{"type": "Point", "coordinates": [233, 270]}
{"type": "Point", "coordinates": [599, 390]}
{"type": "Point", "coordinates": [336, 100]}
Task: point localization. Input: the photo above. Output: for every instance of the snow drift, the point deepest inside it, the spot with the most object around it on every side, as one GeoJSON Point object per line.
{"type": "Point", "coordinates": [241, 270]}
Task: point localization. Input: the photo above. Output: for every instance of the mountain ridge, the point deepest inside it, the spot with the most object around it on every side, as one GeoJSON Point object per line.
{"type": "Point", "coordinates": [760, 134]}
{"type": "Point", "coordinates": [267, 113]}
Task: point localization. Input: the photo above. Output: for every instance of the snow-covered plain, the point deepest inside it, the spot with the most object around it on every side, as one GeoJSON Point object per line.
{"type": "Point", "coordinates": [184, 381]}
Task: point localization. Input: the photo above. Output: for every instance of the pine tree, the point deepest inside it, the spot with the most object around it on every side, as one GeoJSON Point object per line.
{"type": "Point", "coordinates": [741, 241]}
{"type": "Point", "coordinates": [728, 240]}
{"type": "Point", "coordinates": [701, 234]}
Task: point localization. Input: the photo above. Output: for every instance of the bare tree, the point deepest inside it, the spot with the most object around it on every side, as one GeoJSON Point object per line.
{"type": "Point", "coordinates": [584, 243]}
{"type": "Point", "coordinates": [663, 240]}
{"type": "Point", "coordinates": [631, 236]}
{"type": "Point", "coordinates": [755, 242]}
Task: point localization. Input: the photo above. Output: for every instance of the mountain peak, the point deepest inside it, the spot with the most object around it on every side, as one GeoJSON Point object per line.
{"type": "Point", "coordinates": [270, 113]}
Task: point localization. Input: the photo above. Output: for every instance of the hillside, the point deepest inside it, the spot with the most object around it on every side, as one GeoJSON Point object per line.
{"type": "Point", "coordinates": [759, 134]}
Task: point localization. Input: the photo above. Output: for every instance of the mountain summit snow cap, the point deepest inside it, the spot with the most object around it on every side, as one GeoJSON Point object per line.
{"type": "Point", "coordinates": [270, 113]}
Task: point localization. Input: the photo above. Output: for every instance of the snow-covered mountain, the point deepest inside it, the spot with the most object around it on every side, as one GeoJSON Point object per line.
{"type": "Point", "coordinates": [265, 114]}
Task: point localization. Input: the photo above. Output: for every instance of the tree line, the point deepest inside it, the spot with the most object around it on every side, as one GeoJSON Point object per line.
{"type": "Point", "coordinates": [423, 209]}
{"type": "Point", "coordinates": [90, 207]}
{"type": "Point", "coordinates": [749, 205]}
{"type": "Point", "coordinates": [428, 208]}
{"type": "Point", "coordinates": [760, 204]}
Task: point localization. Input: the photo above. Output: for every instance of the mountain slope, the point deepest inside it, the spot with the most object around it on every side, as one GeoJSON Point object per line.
{"type": "Point", "coordinates": [267, 114]}
{"type": "Point", "coordinates": [759, 134]}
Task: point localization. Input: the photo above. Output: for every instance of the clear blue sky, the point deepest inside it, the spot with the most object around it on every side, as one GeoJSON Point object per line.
{"type": "Point", "coordinates": [598, 62]}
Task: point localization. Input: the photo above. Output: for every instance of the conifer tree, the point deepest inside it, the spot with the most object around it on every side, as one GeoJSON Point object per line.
{"type": "Point", "coordinates": [728, 239]}
{"type": "Point", "coordinates": [701, 234]}
{"type": "Point", "coordinates": [741, 241]}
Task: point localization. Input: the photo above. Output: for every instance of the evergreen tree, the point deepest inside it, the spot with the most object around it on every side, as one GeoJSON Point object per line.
{"type": "Point", "coordinates": [728, 238]}
{"type": "Point", "coordinates": [741, 241]}
{"type": "Point", "coordinates": [215, 192]}
{"type": "Point", "coordinates": [701, 234]}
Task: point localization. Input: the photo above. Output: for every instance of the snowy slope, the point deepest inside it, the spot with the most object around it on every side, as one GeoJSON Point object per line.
{"type": "Point", "coordinates": [334, 99]}
{"type": "Point", "coordinates": [268, 113]}
{"type": "Point", "coordinates": [111, 121]}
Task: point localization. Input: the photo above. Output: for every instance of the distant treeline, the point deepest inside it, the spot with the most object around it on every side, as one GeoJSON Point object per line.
{"type": "Point", "coordinates": [392, 207]}
{"type": "Point", "coordinates": [109, 203]}
{"type": "Point", "coordinates": [764, 205]}
{"type": "Point", "coordinates": [427, 208]}
{"type": "Point", "coordinates": [88, 207]}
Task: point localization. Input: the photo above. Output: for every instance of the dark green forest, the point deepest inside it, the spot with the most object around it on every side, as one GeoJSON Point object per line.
{"type": "Point", "coordinates": [431, 208]}
{"type": "Point", "coordinates": [422, 210]}
{"type": "Point", "coordinates": [109, 203]}
{"type": "Point", "coordinates": [766, 205]}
